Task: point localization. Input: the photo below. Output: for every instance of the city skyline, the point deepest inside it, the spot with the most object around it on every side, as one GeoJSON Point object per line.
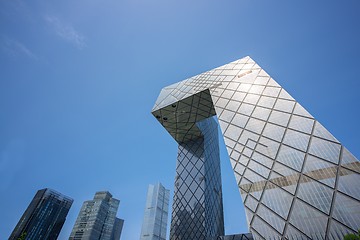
{"type": "Point", "coordinates": [78, 80]}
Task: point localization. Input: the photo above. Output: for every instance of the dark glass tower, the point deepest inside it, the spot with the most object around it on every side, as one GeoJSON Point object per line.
{"type": "Point", "coordinates": [117, 229]}
{"type": "Point", "coordinates": [295, 178]}
{"type": "Point", "coordinates": [197, 207]}
{"type": "Point", "coordinates": [44, 217]}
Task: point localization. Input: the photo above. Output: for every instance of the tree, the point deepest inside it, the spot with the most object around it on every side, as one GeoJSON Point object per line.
{"type": "Point", "coordinates": [352, 236]}
{"type": "Point", "coordinates": [22, 237]}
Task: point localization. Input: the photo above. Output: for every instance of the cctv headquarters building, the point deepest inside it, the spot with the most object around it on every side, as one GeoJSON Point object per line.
{"type": "Point", "coordinates": [296, 180]}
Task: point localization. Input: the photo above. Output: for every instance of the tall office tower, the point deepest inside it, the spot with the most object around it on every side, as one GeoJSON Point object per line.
{"type": "Point", "coordinates": [156, 213]}
{"type": "Point", "coordinates": [197, 205]}
{"type": "Point", "coordinates": [296, 179]}
{"type": "Point", "coordinates": [44, 217]}
{"type": "Point", "coordinates": [97, 219]}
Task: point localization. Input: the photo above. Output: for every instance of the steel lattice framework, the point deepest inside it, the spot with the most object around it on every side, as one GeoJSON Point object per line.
{"type": "Point", "coordinates": [295, 178]}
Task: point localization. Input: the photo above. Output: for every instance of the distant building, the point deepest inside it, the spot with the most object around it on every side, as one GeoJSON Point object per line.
{"type": "Point", "coordinates": [156, 213]}
{"type": "Point", "coordinates": [44, 217]}
{"type": "Point", "coordinates": [118, 225]}
{"type": "Point", "coordinates": [97, 219]}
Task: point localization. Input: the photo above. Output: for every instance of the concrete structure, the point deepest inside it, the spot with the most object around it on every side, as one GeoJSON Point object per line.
{"type": "Point", "coordinates": [44, 217]}
{"type": "Point", "coordinates": [156, 213]}
{"type": "Point", "coordinates": [294, 176]}
{"type": "Point", "coordinates": [97, 219]}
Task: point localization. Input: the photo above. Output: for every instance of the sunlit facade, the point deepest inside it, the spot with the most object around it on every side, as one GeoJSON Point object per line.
{"type": "Point", "coordinates": [156, 213]}
{"type": "Point", "coordinates": [44, 217]}
{"type": "Point", "coordinates": [295, 178]}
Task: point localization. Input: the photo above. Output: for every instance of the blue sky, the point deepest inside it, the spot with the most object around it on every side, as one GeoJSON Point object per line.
{"type": "Point", "coordinates": [78, 80]}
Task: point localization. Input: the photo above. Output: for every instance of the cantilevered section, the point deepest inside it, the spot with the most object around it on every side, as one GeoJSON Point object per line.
{"type": "Point", "coordinates": [179, 117]}
{"type": "Point", "coordinates": [295, 178]}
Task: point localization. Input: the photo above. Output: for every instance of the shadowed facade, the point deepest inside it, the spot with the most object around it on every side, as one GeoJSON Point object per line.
{"type": "Point", "coordinates": [44, 217]}
{"type": "Point", "coordinates": [197, 206]}
{"type": "Point", "coordinates": [295, 178]}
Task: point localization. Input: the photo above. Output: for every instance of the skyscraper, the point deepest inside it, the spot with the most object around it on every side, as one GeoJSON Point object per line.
{"type": "Point", "coordinates": [294, 176]}
{"type": "Point", "coordinates": [156, 213]}
{"type": "Point", "coordinates": [97, 219]}
{"type": "Point", "coordinates": [197, 206]}
{"type": "Point", "coordinates": [118, 225]}
{"type": "Point", "coordinates": [44, 217]}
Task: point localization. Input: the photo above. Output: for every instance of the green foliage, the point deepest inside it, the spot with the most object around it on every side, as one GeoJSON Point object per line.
{"type": "Point", "coordinates": [352, 236]}
{"type": "Point", "coordinates": [23, 236]}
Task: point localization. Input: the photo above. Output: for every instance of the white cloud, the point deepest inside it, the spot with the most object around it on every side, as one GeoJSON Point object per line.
{"type": "Point", "coordinates": [15, 48]}
{"type": "Point", "coordinates": [66, 32]}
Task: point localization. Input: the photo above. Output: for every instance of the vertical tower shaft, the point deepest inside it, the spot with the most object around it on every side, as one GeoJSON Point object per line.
{"type": "Point", "coordinates": [197, 207]}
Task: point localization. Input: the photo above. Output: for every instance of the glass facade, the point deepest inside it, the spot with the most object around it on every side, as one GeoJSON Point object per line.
{"type": "Point", "coordinates": [295, 178]}
{"type": "Point", "coordinates": [118, 225]}
{"type": "Point", "coordinates": [197, 206]}
{"type": "Point", "coordinates": [247, 236]}
{"type": "Point", "coordinates": [44, 217]}
{"type": "Point", "coordinates": [156, 213]}
{"type": "Point", "coordinates": [97, 219]}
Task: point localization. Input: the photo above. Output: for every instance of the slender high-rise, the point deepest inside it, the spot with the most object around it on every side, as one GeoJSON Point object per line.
{"type": "Point", "coordinates": [97, 219]}
{"type": "Point", "coordinates": [44, 217]}
{"type": "Point", "coordinates": [198, 204]}
{"type": "Point", "coordinates": [295, 178]}
{"type": "Point", "coordinates": [156, 213]}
